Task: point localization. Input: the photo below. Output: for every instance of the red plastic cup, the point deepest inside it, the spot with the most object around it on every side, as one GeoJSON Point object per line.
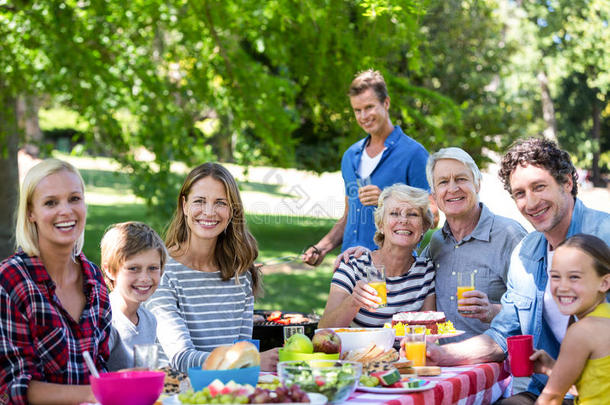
{"type": "Point", "coordinates": [520, 348]}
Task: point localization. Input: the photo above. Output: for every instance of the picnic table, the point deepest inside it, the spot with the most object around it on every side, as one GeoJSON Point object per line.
{"type": "Point", "coordinates": [471, 384]}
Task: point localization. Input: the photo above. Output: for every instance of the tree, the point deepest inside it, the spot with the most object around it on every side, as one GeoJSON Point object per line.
{"type": "Point", "coordinates": [574, 35]}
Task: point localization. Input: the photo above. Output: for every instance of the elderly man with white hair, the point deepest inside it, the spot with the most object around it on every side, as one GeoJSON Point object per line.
{"type": "Point", "coordinates": [472, 240]}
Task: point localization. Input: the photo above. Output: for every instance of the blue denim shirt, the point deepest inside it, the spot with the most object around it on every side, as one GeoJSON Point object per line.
{"type": "Point", "coordinates": [403, 161]}
{"type": "Point", "coordinates": [523, 301]}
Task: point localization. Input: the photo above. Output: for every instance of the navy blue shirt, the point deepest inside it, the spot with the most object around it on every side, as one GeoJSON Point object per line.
{"type": "Point", "coordinates": [403, 161]}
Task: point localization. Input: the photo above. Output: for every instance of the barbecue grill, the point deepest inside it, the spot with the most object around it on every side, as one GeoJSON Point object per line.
{"type": "Point", "coordinates": [271, 334]}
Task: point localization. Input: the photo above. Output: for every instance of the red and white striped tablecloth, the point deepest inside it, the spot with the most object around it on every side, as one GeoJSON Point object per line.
{"type": "Point", "coordinates": [463, 385]}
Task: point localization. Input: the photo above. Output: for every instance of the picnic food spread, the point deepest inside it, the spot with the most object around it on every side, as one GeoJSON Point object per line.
{"type": "Point", "coordinates": [429, 319]}
{"type": "Point", "coordinates": [240, 355]}
{"type": "Point", "coordinates": [219, 393]}
{"type": "Point", "coordinates": [281, 319]}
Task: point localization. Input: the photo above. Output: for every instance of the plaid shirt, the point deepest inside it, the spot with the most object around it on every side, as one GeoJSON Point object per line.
{"type": "Point", "coordinates": [39, 340]}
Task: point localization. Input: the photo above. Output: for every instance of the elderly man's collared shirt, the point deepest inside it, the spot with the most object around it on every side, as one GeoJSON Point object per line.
{"type": "Point", "coordinates": [522, 304]}
{"type": "Point", "coordinates": [403, 161]}
{"type": "Point", "coordinates": [39, 340]}
{"type": "Point", "coordinates": [485, 251]}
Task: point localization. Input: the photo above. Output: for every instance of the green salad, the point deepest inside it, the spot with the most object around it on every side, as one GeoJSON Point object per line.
{"type": "Point", "coordinates": [335, 383]}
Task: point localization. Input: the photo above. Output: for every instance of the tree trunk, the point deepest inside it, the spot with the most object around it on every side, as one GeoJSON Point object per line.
{"type": "Point", "coordinates": [27, 118]}
{"type": "Point", "coordinates": [596, 177]}
{"type": "Point", "coordinates": [548, 110]}
{"type": "Point", "coordinates": [9, 170]}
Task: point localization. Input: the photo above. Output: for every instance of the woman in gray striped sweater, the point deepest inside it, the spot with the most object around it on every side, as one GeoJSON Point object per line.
{"type": "Point", "coordinates": [206, 295]}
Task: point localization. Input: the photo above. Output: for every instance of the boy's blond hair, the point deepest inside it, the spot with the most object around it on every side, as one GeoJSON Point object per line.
{"type": "Point", "coordinates": [124, 240]}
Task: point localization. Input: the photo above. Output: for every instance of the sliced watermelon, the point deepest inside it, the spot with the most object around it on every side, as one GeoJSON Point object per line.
{"type": "Point", "coordinates": [387, 377]}
{"type": "Point", "coordinates": [216, 387]}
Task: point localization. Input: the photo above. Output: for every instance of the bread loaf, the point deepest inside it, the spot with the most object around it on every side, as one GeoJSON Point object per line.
{"type": "Point", "coordinates": [240, 355]}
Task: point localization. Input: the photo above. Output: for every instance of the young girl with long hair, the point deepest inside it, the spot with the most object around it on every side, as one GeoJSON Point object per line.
{"type": "Point", "coordinates": [580, 279]}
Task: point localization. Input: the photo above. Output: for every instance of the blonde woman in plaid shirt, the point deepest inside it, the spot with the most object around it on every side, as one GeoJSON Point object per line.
{"type": "Point", "coordinates": [53, 302]}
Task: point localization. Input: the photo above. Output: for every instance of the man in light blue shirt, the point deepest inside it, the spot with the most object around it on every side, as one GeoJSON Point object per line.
{"type": "Point", "coordinates": [543, 183]}
{"type": "Point", "coordinates": [385, 157]}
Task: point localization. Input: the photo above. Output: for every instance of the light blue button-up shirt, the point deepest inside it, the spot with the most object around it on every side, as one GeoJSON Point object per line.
{"type": "Point", "coordinates": [522, 304]}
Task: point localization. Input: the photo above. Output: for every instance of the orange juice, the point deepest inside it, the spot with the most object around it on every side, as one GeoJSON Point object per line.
{"type": "Point", "coordinates": [462, 289]}
{"type": "Point", "coordinates": [416, 352]}
{"type": "Point", "coordinates": [382, 291]}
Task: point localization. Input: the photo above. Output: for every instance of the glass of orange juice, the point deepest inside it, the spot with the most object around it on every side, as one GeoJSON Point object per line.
{"type": "Point", "coordinates": [415, 344]}
{"type": "Point", "coordinates": [375, 277]}
{"type": "Point", "coordinates": [465, 282]}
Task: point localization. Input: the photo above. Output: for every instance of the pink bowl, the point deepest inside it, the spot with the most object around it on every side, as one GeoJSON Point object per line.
{"type": "Point", "coordinates": [128, 387]}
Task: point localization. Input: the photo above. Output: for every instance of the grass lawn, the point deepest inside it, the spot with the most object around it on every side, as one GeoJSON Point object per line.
{"type": "Point", "coordinates": [110, 201]}
{"type": "Point", "coordinates": [294, 287]}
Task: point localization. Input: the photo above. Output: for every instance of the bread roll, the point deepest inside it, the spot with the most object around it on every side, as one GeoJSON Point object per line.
{"type": "Point", "coordinates": [215, 358]}
{"type": "Point", "coordinates": [240, 355]}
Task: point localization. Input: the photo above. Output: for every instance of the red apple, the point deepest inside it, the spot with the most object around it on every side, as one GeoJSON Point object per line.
{"type": "Point", "coordinates": [326, 341]}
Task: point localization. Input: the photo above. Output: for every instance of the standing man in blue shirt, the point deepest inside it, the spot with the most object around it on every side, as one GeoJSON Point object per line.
{"type": "Point", "coordinates": [385, 157]}
{"type": "Point", "coordinates": [542, 181]}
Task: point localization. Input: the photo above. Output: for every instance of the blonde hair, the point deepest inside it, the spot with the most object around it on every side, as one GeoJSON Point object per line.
{"type": "Point", "coordinates": [417, 197]}
{"type": "Point", "coordinates": [124, 240]}
{"type": "Point", "coordinates": [236, 249]}
{"type": "Point", "coordinates": [26, 233]}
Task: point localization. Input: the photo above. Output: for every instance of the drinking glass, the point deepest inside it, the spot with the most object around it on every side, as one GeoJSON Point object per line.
{"type": "Point", "coordinates": [146, 356]}
{"type": "Point", "coordinates": [363, 182]}
{"type": "Point", "coordinates": [465, 282]}
{"type": "Point", "coordinates": [375, 277]}
{"type": "Point", "coordinates": [415, 344]}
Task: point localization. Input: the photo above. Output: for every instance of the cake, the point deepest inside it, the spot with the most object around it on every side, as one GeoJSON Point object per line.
{"type": "Point", "coordinates": [429, 319]}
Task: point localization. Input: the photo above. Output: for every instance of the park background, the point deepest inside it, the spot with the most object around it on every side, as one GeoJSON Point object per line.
{"type": "Point", "coordinates": [136, 93]}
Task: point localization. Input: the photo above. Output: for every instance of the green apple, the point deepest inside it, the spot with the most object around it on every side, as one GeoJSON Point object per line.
{"type": "Point", "coordinates": [298, 343]}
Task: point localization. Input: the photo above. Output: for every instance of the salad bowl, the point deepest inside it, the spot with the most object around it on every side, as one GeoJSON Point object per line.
{"type": "Point", "coordinates": [335, 379]}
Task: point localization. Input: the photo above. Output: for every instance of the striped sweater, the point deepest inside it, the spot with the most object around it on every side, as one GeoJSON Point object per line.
{"type": "Point", "coordinates": [405, 293]}
{"type": "Point", "coordinates": [196, 312]}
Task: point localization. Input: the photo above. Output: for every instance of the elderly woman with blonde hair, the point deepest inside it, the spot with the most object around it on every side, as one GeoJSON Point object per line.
{"type": "Point", "coordinates": [402, 218]}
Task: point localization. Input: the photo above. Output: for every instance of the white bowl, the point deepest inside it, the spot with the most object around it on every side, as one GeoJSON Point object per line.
{"type": "Point", "coordinates": [360, 338]}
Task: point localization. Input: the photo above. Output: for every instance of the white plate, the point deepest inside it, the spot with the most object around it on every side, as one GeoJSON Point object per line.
{"type": "Point", "coordinates": [316, 399]}
{"type": "Point", "coordinates": [433, 338]}
{"type": "Point", "coordinates": [384, 390]}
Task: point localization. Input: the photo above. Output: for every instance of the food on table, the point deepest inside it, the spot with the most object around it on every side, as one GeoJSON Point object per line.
{"type": "Point", "coordinates": [336, 380]}
{"type": "Point", "coordinates": [404, 366]}
{"type": "Point", "coordinates": [387, 377]}
{"type": "Point", "coordinates": [258, 318]}
{"type": "Point", "coordinates": [217, 392]}
{"type": "Point", "coordinates": [409, 382]}
{"type": "Point", "coordinates": [368, 380]}
{"type": "Point", "coordinates": [277, 317]}
{"type": "Point", "coordinates": [280, 395]}
{"type": "Point", "coordinates": [429, 319]}
{"type": "Point", "coordinates": [427, 371]}
{"type": "Point", "coordinates": [240, 355]}
{"type": "Point", "coordinates": [298, 343]}
{"type": "Point", "coordinates": [326, 341]}
{"type": "Point", "coordinates": [175, 381]}
{"type": "Point", "coordinates": [268, 381]}
{"type": "Point", "coordinates": [350, 330]}
{"type": "Point", "coordinates": [371, 353]}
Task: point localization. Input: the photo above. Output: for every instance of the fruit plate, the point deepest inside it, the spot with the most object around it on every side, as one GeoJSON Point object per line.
{"type": "Point", "coordinates": [386, 390]}
{"type": "Point", "coordinates": [434, 338]}
{"type": "Point", "coordinates": [314, 398]}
